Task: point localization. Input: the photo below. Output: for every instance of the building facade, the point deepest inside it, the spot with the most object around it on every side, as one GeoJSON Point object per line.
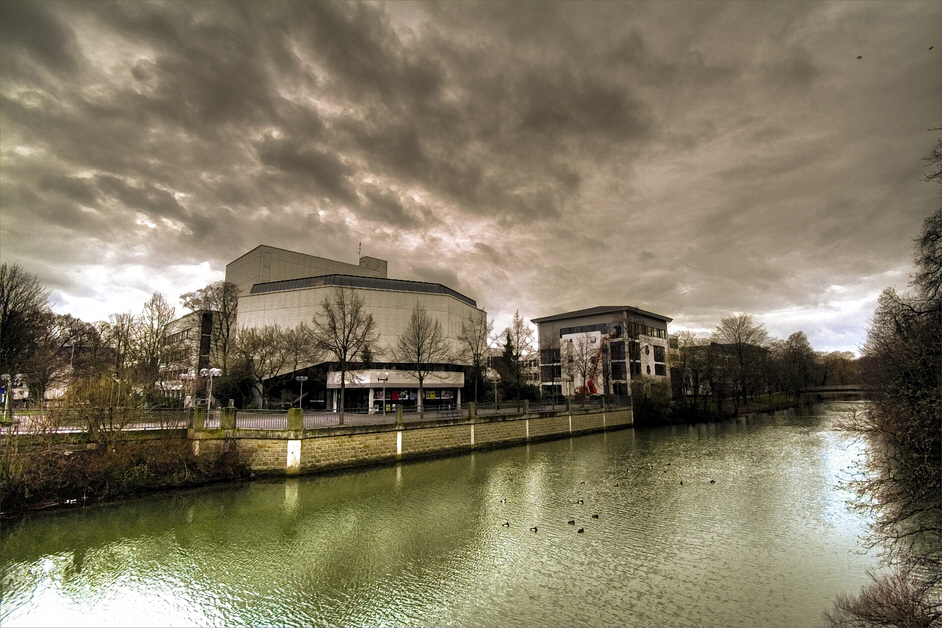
{"type": "Point", "coordinates": [600, 350]}
{"type": "Point", "coordinates": [287, 289]}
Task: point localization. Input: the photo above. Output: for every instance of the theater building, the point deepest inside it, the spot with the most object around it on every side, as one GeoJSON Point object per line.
{"type": "Point", "coordinates": [287, 288]}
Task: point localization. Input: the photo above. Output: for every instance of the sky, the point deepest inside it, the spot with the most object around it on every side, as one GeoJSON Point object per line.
{"type": "Point", "coordinates": [696, 160]}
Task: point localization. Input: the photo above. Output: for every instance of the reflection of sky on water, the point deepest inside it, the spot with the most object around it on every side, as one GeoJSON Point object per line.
{"type": "Point", "coordinates": [771, 542]}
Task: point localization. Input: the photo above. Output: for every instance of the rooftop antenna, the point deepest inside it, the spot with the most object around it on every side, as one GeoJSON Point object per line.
{"type": "Point", "coordinates": [359, 248]}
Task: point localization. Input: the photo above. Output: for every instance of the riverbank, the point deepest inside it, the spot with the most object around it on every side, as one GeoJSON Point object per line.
{"type": "Point", "coordinates": [55, 474]}
{"type": "Point", "coordinates": [49, 470]}
{"type": "Point", "coordinates": [652, 415]}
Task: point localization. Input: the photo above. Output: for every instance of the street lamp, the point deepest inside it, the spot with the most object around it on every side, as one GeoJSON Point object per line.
{"type": "Point", "coordinates": [210, 373]}
{"type": "Point", "coordinates": [383, 379]}
{"type": "Point", "coordinates": [302, 379]}
{"type": "Point", "coordinates": [494, 376]}
{"type": "Point", "coordinates": [186, 376]}
{"type": "Point", "coordinates": [7, 393]}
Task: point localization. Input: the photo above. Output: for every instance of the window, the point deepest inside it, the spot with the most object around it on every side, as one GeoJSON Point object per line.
{"type": "Point", "coordinates": [618, 350]}
{"type": "Point", "coordinates": [658, 353]}
{"type": "Point", "coordinates": [619, 370]}
{"type": "Point", "coordinates": [549, 356]}
{"type": "Point", "coordinates": [659, 369]}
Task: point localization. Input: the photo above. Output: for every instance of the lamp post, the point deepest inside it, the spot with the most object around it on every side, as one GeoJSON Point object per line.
{"type": "Point", "coordinates": [494, 376]}
{"type": "Point", "coordinates": [7, 393]}
{"type": "Point", "coordinates": [302, 379]}
{"type": "Point", "coordinates": [185, 377]}
{"type": "Point", "coordinates": [383, 379]}
{"type": "Point", "coordinates": [210, 373]}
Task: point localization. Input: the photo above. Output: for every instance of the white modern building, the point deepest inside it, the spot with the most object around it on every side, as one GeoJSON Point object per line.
{"type": "Point", "coordinates": [287, 289]}
{"type": "Point", "coordinates": [600, 350]}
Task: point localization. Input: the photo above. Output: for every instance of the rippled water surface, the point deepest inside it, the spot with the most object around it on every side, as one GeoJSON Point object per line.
{"type": "Point", "coordinates": [771, 542]}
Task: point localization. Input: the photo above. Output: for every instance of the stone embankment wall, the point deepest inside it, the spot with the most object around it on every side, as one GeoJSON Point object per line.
{"type": "Point", "coordinates": [295, 451]}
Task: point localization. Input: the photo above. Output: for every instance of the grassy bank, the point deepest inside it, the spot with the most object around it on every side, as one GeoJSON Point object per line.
{"type": "Point", "coordinates": [50, 476]}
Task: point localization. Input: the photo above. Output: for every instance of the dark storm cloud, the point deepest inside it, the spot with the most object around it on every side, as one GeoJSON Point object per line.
{"type": "Point", "coordinates": [32, 30]}
{"type": "Point", "coordinates": [695, 159]}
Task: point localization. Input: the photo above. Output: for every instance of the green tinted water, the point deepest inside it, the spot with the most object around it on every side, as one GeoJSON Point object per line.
{"type": "Point", "coordinates": [771, 542]}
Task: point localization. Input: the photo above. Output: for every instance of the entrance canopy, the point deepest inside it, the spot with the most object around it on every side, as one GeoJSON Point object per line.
{"type": "Point", "coordinates": [375, 379]}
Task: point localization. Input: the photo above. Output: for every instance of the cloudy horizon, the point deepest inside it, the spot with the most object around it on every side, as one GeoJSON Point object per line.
{"type": "Point", "coordinates": [691, 159]}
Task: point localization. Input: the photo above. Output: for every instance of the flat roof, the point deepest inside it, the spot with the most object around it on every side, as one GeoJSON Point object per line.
{"type": "Point", "coordinates": [598, 311]}
{"type": "Point", "coordinates": [353, 281]}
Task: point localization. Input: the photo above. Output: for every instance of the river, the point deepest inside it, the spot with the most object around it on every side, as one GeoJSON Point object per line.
{"type": "Point", "coordinates": [733, 524]}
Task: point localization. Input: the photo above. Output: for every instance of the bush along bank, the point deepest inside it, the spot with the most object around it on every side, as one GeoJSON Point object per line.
{"type": "Point", "coordinates": [653, 405]}
{"type": "Point", "coordinates": [51, 476]}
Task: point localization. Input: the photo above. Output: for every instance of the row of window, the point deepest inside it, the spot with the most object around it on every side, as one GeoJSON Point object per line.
{"type": "Point", "coordinates": [617, 350]}
{"type": "Point", "coordinates": [177, 337]}
{"type": "Point", "coordinates": [553, 372]}
{"type": "Point", "coordinates": [613, 330]}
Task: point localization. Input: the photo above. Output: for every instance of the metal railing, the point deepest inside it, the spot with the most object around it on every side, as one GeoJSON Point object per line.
{"type": "Point", "coordinates": [64, 420]}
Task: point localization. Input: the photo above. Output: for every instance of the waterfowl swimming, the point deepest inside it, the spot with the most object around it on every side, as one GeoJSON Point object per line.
{"type": "Point", "coordinates": [580, 530]}
{"type": "Point", "coordinates": [533, 529]}
{"type": "Point", "coordinates": [595, 516]}
{"type": "Point", "coordinates": [579, 501]}
{"type": "Point", "coordinates": [506, 524]}
{"type": "Point", "coordinates": [572, 522]}
{"type": "Point", "coordinates": [712, 481]}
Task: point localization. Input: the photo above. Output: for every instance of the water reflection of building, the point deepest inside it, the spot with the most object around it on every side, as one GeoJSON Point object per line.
{"type": "Point", "coordinates": [600, 350]}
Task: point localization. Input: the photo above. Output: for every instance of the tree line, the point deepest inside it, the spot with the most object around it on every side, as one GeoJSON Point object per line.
{"type": "Point", "coordinates": [740, 361]}
{"type": "Point", "coordinates": [898, 483]}
{"type": "Point", "coordinates": [135, 358]}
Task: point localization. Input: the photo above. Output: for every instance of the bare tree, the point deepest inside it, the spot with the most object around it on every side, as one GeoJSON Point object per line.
{"type": "Point", "coordinates": [222, 300]}
{"type": "Point", "coordinates": [518, 350]}
{"type": "Point", "coordinates": [265, 353]}
{"type": "Point", "coordinates": [796, 360]}
{"type": "Point", "coordinates": [117, 334]}
{"type": "Point", "coordinates": [689, 362]}
{"type": "Point", "coordinates": [300, 348]}
{"type": "Point", "coordinates": [22, 316]}
{"type": "Point", "coordinates": [475, 338]}
{"type": "Point", "coordinates": [150, 348]}
{"type": "Point", "coordinates": [53, 357]}
{"type": "Point", "coordinates": [343, 328]}
{"type": "Point", "coordinates": [745, 343]}
{"type": "Point", "coordinates": [422, 346]}
{"type": "Point", "coordinates": [581, 355]}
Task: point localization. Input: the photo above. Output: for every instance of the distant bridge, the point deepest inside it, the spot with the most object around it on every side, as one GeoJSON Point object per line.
{"type": "Point", "coordinates": [837, 391]}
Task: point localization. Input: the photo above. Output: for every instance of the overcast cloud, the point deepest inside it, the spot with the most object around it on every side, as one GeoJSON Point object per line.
{"type": "Point", "coordinates": [693, 159]}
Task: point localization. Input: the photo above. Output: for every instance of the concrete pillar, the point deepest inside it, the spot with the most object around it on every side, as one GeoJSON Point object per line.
{"type": "Point", "coordinates": [295, 419]}
{"type": "Point", "coordinates": [399, 415]}
{"type": "Point", "coordinates": [526, 406]}
{"type": "Point", "coordinates": [371, 402]}
{"type": "Point", "coordinates": [227, 419]}
{"type": "Point", "coordinates": [199, 418]}
{"type": "Point", "coordinates": [568, 404]}
{"type": "Point", "coordinates": [472, 410]}
{"type": "Point", "coordinates": [459, 398]}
